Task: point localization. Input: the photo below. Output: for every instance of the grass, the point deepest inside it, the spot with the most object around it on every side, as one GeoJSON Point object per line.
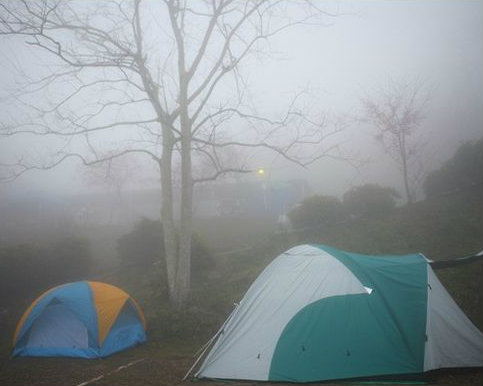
{"type": "Point", "coordinates": [162, 364]}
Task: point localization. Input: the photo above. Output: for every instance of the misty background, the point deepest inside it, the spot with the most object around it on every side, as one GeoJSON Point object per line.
{"type": "Point", "coordinates": [371, 44]}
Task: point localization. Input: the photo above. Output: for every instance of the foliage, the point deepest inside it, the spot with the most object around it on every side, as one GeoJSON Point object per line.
{"type": "Point", "coordinates": [27, 269]}
{"type": "Point", "coordinates": [443, 227]}
{"type": "Point", "coordinates": [144, 245]}
{"type": "Point", "coordinates": [71, 258]}
{"type": "Point", "coordinates": [463, 171]}
{"type": "Point", "coordinates": [370, 200]}
{"type": "Point", "coordinates": [317, 211]}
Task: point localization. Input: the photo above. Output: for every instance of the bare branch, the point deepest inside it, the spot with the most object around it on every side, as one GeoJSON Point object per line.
{"type": "Point", "coordinates": [21, 167]}
{"type": "Point", "coordinates": [118, 78]}
{"type": "Point", "coordinates": [397, 114]}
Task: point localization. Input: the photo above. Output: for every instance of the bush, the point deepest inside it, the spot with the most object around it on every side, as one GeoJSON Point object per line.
{"type": "Point", "coordinates": [145, 245]}
{"type": "Point", "coordinates": [71, 259]}
{"type": "Point", "coordinates": [463, 171]}
{"type": "Point", "coordinates": [26, 270]}
{"type": "Point", "coordinates": [201, 256]}
{"type": "Point", "coordinates": [317, 211]}
{"type": "Point", "coordinates": [370, 200]}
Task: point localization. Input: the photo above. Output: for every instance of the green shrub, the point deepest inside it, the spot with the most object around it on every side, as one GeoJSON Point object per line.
{"type": "Point", "coordinates": [71, 259]}
{"type": "Point", "coordinates": [463, 171]}
{"type": "Point", "coordinates": [317, 211]}
{"type": "Point", "coordinates": [26, 270]}
{"type": "Point", "coordinates": [144, 245]}
{"type": "Point", "coordinates": [370, 200]}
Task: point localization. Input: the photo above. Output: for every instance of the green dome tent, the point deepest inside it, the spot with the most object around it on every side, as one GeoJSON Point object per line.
{"type": "Point", "coordinates": [317, 313]}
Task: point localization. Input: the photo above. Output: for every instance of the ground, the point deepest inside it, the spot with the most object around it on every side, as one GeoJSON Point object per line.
{"type": "Point", "coordinates": [159, 364]}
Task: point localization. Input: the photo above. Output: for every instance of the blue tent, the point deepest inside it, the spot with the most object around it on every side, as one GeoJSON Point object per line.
{"type": "Point", "coordinates": [82, 319]}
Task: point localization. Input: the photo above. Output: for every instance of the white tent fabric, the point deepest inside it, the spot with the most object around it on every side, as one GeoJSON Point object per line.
{"type": "Point", "coordinates": [452, 339]}
{"type": "Point", "coordinates": [298, 277]}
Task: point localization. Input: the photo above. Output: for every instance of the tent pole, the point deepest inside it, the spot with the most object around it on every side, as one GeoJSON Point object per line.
{"type": "Point", "coordinates": [205, 347]}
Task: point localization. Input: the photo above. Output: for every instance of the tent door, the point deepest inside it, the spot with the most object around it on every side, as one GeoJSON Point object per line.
{"type": "Point", "coordinates": [58, 326]}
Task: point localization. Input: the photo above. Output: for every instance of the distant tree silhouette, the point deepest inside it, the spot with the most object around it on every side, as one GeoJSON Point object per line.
{"type": "Point", "coordinates": [463, 171]}
{"type": "Point", "coordinates": [397, 112]}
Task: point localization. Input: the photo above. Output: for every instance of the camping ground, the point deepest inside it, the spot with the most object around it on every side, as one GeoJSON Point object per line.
{"type": "Point", "coordinates": [241, 248]}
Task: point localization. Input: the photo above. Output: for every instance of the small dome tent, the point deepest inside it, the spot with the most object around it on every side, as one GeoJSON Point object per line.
{"type": "Point", "coordinates": [317, 313]}
{"type": "Point", "coordinates": [84, 319]}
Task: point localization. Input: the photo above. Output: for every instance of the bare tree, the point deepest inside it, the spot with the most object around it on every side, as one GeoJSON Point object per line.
{"type": "Point", "coordinates": [161, 79]}
{"type": "Point", "coordinates": [397, 113]}
{"type": "Point", "coordinates": [113, 176]}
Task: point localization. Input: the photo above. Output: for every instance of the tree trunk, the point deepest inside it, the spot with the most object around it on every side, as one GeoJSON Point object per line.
{"type": "Point", "coordinates": [183, 276]}
{"type": "Point", "coordinates": [406, 182]}
{"type": "Point", "coordinates": [169, 228]}
{"type": "Point", "coordinates": [404, 161]}
{"type": "Point", "coordinates": [186, 221]}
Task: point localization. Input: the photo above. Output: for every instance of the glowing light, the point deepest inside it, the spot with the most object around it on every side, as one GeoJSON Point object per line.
{"type": "Point", "coordinates": [261, 172]}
